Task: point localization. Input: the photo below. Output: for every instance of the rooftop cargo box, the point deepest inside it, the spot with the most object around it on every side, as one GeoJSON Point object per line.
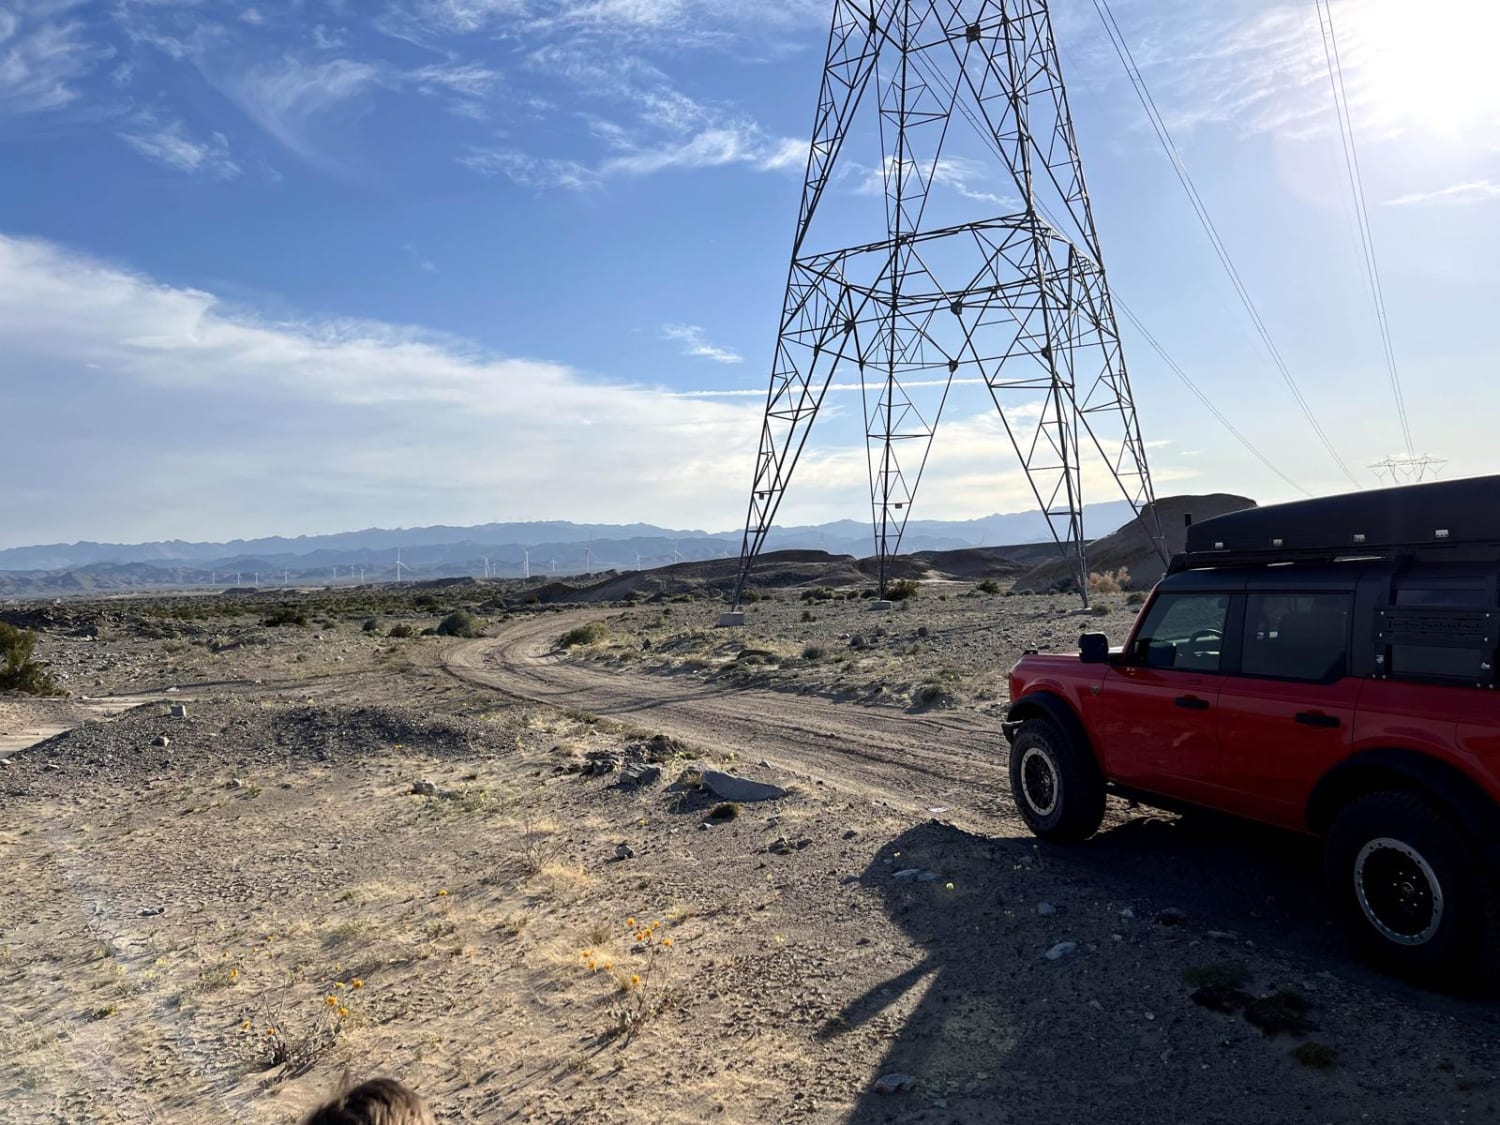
{"type": "Point", "coordinates": [1412, 517]}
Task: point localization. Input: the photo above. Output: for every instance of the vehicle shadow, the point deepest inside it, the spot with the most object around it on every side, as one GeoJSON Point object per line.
{"type": "Point", "coordinates": [991, 1030]}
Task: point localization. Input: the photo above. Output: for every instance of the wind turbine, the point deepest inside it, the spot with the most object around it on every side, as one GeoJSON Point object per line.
{"type": "Point", "coordinates": [588, 559]}
{"type": "Point", "coordinates": [285, 577]}
{"type": "Point", "coordinates": [399, 564]}
{"type": "Point", "coordinates": [486, 566]}
{"type": "Point", "coordinates": [527, 564]}
{"type": "Point", "coordinates": [676, 554]}
{"type": "Point", "coordinates": [638, 560]}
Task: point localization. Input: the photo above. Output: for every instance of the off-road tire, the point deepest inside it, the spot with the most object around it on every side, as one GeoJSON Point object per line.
{"type": "Point", "coordinates": [1057, 785]}
{"type": "Point", "coordinates": [1382, 854]}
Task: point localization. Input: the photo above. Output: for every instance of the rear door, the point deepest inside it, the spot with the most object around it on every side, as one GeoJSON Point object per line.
{"type": "Point", "coordinates": [1286, 708]}
{"type": "Point", "coordinates": [1156, 713]}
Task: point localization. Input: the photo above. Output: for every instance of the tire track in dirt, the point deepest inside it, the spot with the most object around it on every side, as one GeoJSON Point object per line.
{"type": "Point", "coordinates": [912, 762]}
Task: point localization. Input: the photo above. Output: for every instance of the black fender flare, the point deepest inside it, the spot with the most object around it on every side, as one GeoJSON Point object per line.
{"type": "Point", "coordinates": [1048, 705]}
{"type": "Point", "coordinates": [1412, 771]}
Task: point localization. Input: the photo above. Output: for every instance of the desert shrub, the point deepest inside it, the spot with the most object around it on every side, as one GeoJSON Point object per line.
{"type": "Point", "coordinates": [286, 615]}
{"type": "Point", "coordinates": [19, 671]}
{"type": "Point", "coordinates": [989, 586]}
{"type": "Point", "coordinates": [1100, 609]}
{"type": "Point", "coordinates": [401, 631]}
{"type": "Point", "coordinates": [1135, 597]}
{"type": "Point", "coordinates": [931, 695]}
{"type": "Point", "coordinates": [818, 594]}
{"type": "Point", "coordinates": [814, 652]}
{"type": "Point", "coordinates": [460, 623]}
{"type": "Point", "coordinates": [1109, 581]}
{"type": "Point", "coordinates": [901, 589]}
{"type": "Point", "coordinates": [807, 615]}
{"type": "Point", "coordinates": [728, 810]}
{"type": "Point", "coordinates": [425, 603]}
{"type": "Point", "coordinates": [430, 631]}
{"type": "Point", "coordinates": [371, 625]}
{"type": "Point", "coordinates": [590, 634]}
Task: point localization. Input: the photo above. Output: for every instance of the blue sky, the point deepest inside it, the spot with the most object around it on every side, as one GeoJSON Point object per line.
{"type": "Point", "coordinates": [304, 266]}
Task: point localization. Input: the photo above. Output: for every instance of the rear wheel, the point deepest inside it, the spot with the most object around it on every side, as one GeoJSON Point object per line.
{"type": "Point", "coordinates": [1056, 783]}
{"type": "Point", "coordinates": [1408, 887]}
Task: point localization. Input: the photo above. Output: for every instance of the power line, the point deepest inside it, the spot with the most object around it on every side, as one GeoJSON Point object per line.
{"type": "Point", "coordinates": [1203, 398]}
{"type": "Point", "coordinates": [935, 76]}
{"type": "Point", "coordinates": [1164, 136]}
{"type": "Point", "coordinates": [1361, 212]}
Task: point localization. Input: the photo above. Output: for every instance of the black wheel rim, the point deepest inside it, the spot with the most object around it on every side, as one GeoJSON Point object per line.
{"type": "Point", "coordinates": [1039, 781]}
{"type": "Point", "coordinates": [1398, 891]}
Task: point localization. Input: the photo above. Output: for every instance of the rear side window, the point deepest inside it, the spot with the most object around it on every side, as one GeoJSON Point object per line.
{"type": "Point", "coordinates": [1182, 631]}
{"type": "Point", "coordinates": [1297, 636]}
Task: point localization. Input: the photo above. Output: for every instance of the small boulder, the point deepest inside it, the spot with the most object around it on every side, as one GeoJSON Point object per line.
{"type": "Point", "coordinates": [423, 788]}
{"type": "Point", "coordinates": [640, 773]}
{"type": "Point", "coordinates": [1046, 909]}
{"type": "Point", "coordinates": [1061, 950]}
{"type": "Point", "coordinates": [161, 740]}
{"type": "Point", "coordinates": [742, 789]}
{"type": "Point", "coordinates": [179, 710]}
{"type": "Point", "coordinates": [894, 1083]}
{"type": "Point", "coordinates": [624, 851]}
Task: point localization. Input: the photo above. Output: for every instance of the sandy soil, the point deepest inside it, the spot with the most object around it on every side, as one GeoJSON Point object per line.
{"type": "Point", "coordinates": [272, 855]}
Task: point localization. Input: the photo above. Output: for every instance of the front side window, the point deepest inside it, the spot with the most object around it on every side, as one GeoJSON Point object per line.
{"type": "Point", "coordinates": [1182, 631]}
{"type": "Point", "coordinates": [1297, 636]}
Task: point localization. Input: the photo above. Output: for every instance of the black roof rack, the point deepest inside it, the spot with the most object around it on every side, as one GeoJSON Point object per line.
{"type": "Point", "coordinates": [1439, 519]}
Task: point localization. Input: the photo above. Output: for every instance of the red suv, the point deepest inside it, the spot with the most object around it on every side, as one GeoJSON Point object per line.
{"type": "Point", "coordinates": [1326, 666]}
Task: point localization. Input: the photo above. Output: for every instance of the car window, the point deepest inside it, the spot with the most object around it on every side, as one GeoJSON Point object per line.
{"type": "Point", "coordinates": [1182, 631]}
{"type": "Point", "coordinates": [1296, 636]}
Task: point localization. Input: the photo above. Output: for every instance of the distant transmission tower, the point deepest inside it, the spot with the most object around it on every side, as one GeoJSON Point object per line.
{"type": "Point", "coordinates": [1408, 469]}
{"type": "Point", "coordinates": [1017, 302]}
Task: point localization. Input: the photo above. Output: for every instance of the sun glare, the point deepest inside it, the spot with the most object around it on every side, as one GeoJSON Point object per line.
{"type": "Point", "coordinates": [1426, 66]}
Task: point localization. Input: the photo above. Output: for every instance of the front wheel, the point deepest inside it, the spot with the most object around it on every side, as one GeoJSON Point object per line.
{"type": "Point", "coordinates": [1407, 886]}
{"type": "Point", "coordinates": [1056, 783]}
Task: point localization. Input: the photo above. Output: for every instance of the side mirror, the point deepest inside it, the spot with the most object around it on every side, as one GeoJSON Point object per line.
{"type": "Point", "coordinates": [1093, 648]}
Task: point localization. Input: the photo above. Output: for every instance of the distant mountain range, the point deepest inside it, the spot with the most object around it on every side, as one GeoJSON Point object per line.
{"type": "Point", "coordinates": [504, 550]}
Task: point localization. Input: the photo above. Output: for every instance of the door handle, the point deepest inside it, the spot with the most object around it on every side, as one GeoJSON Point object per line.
{"type": "Point", "coordinates": [1191, 702]}
{"type": "Point", "coordinates": [1315, 719]}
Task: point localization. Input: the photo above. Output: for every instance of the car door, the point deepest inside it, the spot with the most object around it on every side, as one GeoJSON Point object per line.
{"type": "Point", "coordinates": [1155, 714]}
{"type": "Point", "coordinates": [1286, 713]}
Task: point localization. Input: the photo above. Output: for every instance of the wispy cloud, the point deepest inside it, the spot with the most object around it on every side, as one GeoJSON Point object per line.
{"type": "Point", "coordinates": [667, 129]}
{"type": "Point", "coordinates": [42, 57]}
{"type": "Point", "coordinates": [467, 87]}
{"type": "Point", "coordinates": [1455, 195]}
{"type": "Point", "coordinates": [695, 343]}
{"type": "Point", "coordinates": [286, 98]}
{"type": "Point", "coordinates": [962, 175]}
{"type": "Point", "coordinates": [169, 145]}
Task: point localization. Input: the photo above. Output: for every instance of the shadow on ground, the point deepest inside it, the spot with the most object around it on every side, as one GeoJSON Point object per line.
{"type": "Point", "coordinates": [992, 1031]}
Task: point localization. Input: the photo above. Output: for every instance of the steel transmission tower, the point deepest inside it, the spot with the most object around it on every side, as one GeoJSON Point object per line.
{"type": "Point", "coordinates": [1017, 302]}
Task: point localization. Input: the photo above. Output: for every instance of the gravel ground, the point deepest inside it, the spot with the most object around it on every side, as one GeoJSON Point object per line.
{"type": "Point", "coordinates": [884, 918]}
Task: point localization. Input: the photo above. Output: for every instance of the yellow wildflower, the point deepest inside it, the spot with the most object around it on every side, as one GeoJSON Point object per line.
{"type": "Point", "coordinates": [443, 893]}
{"type": "Point", "coordinates": [343, 1012]}
{"type": "Point", "coordinates": [635, 980]}
{"type": "Point", "coordinates": [666, 941]}
{"type": "Point", "coordinates": [331, 1001]}
{"type": "Point", "coordinates": [356, 983]}
{"type": "Point", "coordinates": [630, 922]}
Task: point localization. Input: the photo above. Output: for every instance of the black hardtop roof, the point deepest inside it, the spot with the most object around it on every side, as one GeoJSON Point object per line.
{"type": "Point", "coordinates": [1380, 521]}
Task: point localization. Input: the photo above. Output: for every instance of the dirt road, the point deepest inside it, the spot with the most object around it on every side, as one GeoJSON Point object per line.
{"type": "Point", "coordinates": [953, 761]}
